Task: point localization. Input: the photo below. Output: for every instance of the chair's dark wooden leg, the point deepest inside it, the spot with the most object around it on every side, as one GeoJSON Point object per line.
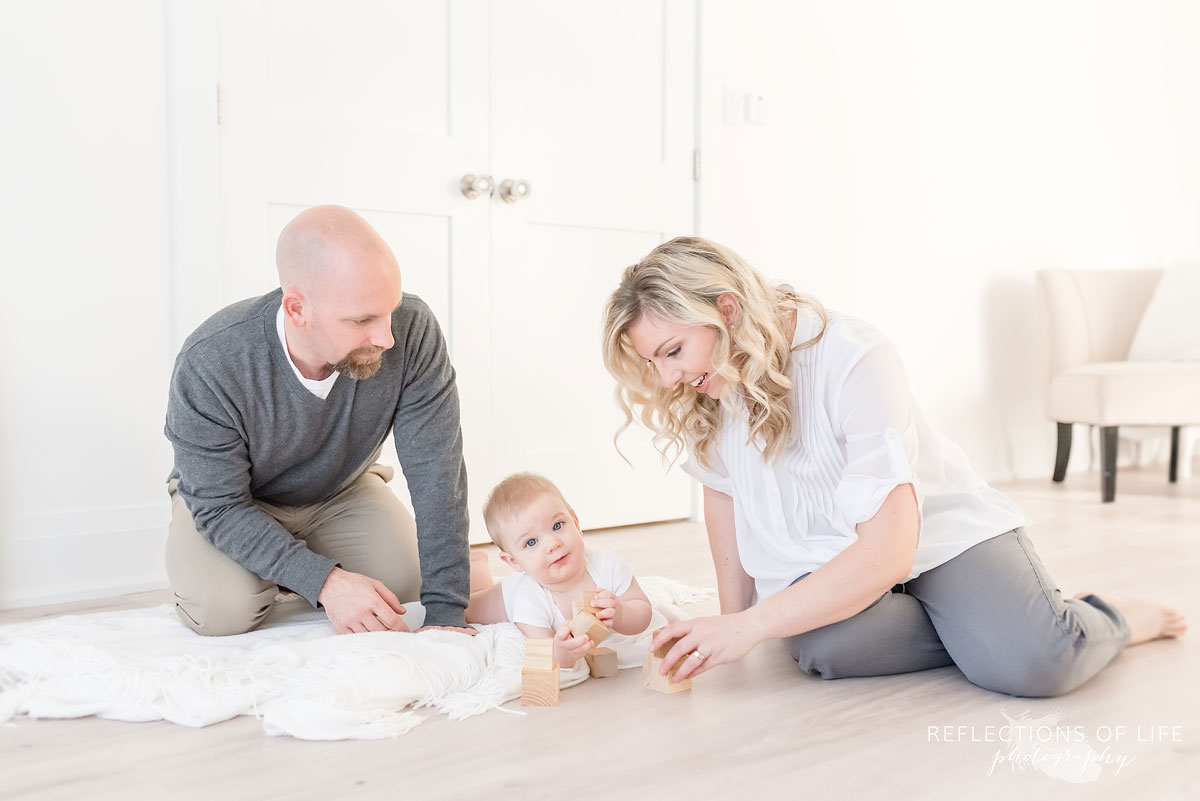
{"type": "Point", "coordinates": [1174, 454]}
{"type": "Point", "coordinates": [1064, 451]}
{"type": "Point", "coordinates": [1108, 463]}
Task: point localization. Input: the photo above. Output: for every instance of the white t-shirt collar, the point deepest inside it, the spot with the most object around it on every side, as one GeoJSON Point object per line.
{"type": "Point", "coordinates": [319, 388]}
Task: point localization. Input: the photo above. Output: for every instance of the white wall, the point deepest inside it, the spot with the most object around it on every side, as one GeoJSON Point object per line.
{"type": "Point", "coordinates": [921, 159]}
{"type": "Point", "coordinates": [85, 336]}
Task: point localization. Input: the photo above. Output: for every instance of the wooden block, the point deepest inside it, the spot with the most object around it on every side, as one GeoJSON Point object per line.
{"type": "Point", "coordinates": [602, 663]}
{"type": "Point", "coordinates": [539, 654]}
{"type": "Point", "coordinates": [539, 676]}
{"type": "Point", "coordinates": [662, 650]}
{"type": "Point", "coordinates": [658, 682]}
{"type": "Point", "coordinates": [584, 603]}
{"type": "Point", "coordinates": [585, 623]}
{"type": "Point", "coordinates": [539, 687]}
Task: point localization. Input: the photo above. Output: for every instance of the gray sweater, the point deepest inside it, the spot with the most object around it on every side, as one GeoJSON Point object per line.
{"type": "Point", "coordinates": [243, 427]}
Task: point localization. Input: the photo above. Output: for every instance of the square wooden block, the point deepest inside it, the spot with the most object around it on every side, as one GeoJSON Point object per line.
{"type": "Point", "coordinates": [662, 650]}
{"type": "Point", "coordinates": [584, 623]}
{"type": "Point", "coordinates": [584, 604]}
{"type": "Point", "coordinates": [658, 682]}
{"type": "Point", "coordinates": [539, 687]}
{"type": "Point", "coordinates": [602, 663]}
{"type": "Point", "coordinates": [539, 654]}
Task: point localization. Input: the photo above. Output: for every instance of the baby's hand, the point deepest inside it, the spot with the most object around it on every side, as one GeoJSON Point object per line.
{"type": "Point", "coordinates": [569, 649]}
{"type": "Point", "coordinates": [606, 607]}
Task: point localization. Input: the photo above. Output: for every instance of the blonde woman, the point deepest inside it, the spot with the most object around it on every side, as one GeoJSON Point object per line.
{"type": "Point", "coordinates": [839, 519]}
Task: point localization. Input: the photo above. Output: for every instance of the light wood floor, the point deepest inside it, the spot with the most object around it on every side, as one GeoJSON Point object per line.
{"type": "Point", "coordinates": [753, 730]}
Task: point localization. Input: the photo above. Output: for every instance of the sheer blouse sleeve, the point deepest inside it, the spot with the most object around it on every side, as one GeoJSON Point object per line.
{"type": "Point", "coordinates": [872, 406]}
{"type": "Point", "coordinates": [716, 477]}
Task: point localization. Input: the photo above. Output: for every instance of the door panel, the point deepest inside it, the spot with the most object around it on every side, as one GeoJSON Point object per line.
{"type": "Point", "coordinates": [603, 96]}
{"type": "Point", "coordinates": [596, 113]}
{"type": "Point", "coordinates": [389, 71]}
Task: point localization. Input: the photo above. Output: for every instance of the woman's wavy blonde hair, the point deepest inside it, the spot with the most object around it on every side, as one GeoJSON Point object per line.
{"type": "Point", "coordinates": [679, 283]}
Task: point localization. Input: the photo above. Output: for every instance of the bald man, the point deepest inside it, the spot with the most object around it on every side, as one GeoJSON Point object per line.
{"type": "Point", "coordinates": [278, 411]}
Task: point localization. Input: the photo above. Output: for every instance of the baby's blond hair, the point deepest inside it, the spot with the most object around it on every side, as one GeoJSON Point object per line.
{"type": "Point", "coordinates": [512, 495]}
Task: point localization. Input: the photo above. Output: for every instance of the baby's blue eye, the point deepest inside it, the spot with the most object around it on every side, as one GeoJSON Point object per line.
{"type": "Point", "coordinates": [675, 352]}
{"type": "Point", "coordinates": [558, 525]}
{"type": "Point", "coordinates": [532, 541]}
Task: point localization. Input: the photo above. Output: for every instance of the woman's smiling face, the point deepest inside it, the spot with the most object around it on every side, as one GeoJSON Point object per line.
{"type": "Point", "coordinates": [680, 353]}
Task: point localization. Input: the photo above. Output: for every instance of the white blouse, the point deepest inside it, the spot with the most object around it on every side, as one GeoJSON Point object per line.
{"type": "Point", "coordinates": [857, 434]}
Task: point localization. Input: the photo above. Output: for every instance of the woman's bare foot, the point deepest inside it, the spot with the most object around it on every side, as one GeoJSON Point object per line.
{"type": "Point", "coordinates": [1148, 619]}
{"type": "Point", "coordinates": [481, 573]}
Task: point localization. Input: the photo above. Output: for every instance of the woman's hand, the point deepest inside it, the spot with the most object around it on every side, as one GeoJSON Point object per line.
{"type": "Point", "coordinates": [720, 639]}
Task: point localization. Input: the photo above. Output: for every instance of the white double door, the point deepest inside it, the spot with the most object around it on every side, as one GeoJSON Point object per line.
{"type": "Point", "coordinates": [384, 106]}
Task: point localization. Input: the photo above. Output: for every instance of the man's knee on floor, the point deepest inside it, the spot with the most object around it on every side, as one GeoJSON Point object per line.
{"type": "Point", "coordinates": [222, 618]}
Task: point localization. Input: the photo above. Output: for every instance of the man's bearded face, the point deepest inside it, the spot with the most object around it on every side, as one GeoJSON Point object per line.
{"type": "Point", "coordinates": [361, 363]}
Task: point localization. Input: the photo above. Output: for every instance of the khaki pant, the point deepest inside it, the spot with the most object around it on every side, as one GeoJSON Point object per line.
{"type": "Point", "coordinates": [365, 529]}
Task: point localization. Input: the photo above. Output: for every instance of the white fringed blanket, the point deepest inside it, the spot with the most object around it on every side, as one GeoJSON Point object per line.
{"type": "Point", "coordinates": [294, 673]}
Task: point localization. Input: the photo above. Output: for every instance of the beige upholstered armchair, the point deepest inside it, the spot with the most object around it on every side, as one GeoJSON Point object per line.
{"type": "Point", "coordinates": [1092, 316]}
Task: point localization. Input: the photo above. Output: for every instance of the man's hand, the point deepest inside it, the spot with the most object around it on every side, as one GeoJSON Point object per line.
{"type": "Point", "coordinates": [357, 603]}
{"type": "Point", "coordinates": [569, 649]}
{"type": "Point", "coordinates": [606, 607]}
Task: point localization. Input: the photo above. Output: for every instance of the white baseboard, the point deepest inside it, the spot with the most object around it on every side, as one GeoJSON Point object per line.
{"type": "Point", "coordinates": [82, 553]}
{"type": "Point", "coordinates": [80, 593]}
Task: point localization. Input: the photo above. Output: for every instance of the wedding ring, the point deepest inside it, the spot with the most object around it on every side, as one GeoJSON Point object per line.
{"type": "Point", "coordinates": [699, 655]}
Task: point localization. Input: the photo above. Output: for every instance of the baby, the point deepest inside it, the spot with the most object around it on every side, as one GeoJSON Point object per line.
{"type": "Point", "coordinates": [538, 536]}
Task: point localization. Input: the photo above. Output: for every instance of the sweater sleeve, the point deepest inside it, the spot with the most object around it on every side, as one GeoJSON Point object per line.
{"type": "Point", "coordinates": [212, 460]}
{"type": "Point", "coordinates": [429, 444]}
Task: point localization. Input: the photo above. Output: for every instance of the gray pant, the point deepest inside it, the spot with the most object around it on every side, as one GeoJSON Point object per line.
{"type": "Point", "coordinates": [992, 611]}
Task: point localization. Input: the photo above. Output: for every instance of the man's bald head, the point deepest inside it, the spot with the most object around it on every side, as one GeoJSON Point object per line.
{"type": "Point", "coordinates": [341, 286]}
{"type": "Point", "coordinates": [328, 246]}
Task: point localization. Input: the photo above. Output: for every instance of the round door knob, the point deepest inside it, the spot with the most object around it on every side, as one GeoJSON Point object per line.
{"type": "Point", "coordinates": [473, 185]}
{"type": "Point", "coordinates": [511, 191]}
